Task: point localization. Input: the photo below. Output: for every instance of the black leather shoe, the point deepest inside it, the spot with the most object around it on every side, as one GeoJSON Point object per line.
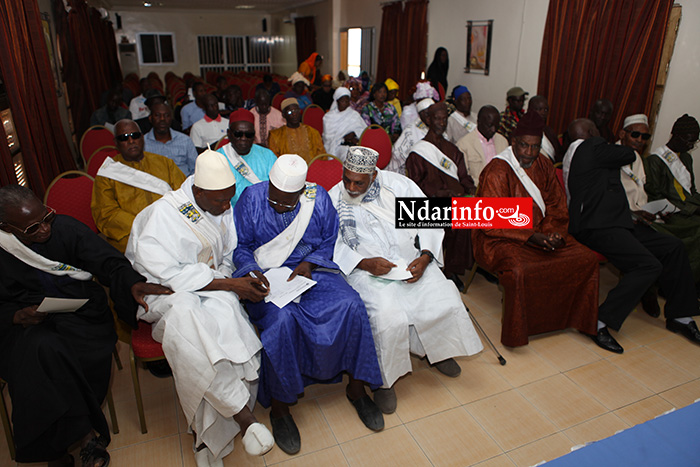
{"type": "Point", "coordinates": [650, 303]}
{"type": "Point", "coordinates": [606, 341]}
{"type": "Point", "coordinates": [286, 434]}
{"type": "Point", "coordinates": [368, 412]}
{"type": "Point", "coordinates": [689, 330]}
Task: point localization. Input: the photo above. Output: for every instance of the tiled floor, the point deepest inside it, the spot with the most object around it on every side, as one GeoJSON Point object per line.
{"type": "Point", "coordinates": [557, 392]}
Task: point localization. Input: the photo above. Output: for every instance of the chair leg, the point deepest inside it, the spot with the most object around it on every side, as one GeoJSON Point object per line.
{"type": "Point", "coordinates": [472, 273]}
{"type": "Point", "coordinates": [117, 360]}
{"type": "Point", "coordinates": [112, 412]}
{"type": "Point", "coordinates": [6, 421]}
{"type": "Point", "coordinates": [137, 391]}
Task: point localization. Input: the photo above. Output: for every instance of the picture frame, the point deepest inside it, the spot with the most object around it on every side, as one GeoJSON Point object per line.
{"type": "Point", "coordinates": [479, 36]}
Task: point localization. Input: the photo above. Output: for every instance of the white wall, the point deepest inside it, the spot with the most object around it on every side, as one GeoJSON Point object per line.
{"type": "Point", "coordinates": [362, 13]}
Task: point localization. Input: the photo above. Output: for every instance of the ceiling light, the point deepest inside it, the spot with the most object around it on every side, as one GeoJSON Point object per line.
{"type": "Point", "coordinates": [244, 7]}
{"type": "Point", "coordinates": [147, 4]}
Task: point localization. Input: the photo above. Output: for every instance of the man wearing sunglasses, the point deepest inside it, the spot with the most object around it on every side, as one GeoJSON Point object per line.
{"type": "Point", "coordinates": [250, 163]}
{"type": "Point", "coordinates": [58, 365]}
{"type": "Point", "coordinates": [129, 182]}
{"type": "Point", "coordinates": [295, 137]}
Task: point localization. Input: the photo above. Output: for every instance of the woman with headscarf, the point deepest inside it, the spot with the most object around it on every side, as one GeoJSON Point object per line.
{"type": "Point", "coordinates": [392, 98]}
{"type": "Point", "coordinates": [309, 68]}
{"type": "Point", "coordinates": [298, 91]}
{"type": "Point", "coordinates": [342, 125]}
{"type": "Point", "coordinates": [382, 113]}
{"type": "Point", "coordinates": [358, 96]}
{"type": "Point", "coordinates": [437, 71]}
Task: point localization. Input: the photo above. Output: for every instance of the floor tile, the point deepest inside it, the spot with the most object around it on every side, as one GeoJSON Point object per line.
{"type": "Point", "coordinates": [541, 450]}
{"type": "Point", "coordinates": [510, 419]}
{"type": "Point", "coordinates": [683, 395]}
{"type": "Point", "coordinates": [392, 447]}
{"type": "Point", "coordinates": [562, 351]}
{"type": "Point", "coordinates": [596, 429]}
{"type": "Point", "coordinates": [611, 386]}
{"type": "Point", "coordinates": [524, 366]}
{"type": "Point", "coordinates": [643, 329]}
{"type": "Point", "coordinates": [331, 457]}
{"type": "Point", "coordinates": [561, 401]}
{"type": "Point", "coordinates": [480, 378]}
{"type": "Point", "coordinates": [499, 461]}
{"type": "Point", "coordinates": [486, 297]}
{"type": "Point", "coordinates": [453, 438]}
{"type": "Point", "coordinates": [237, 458]}
{"type": "Point", "coordinates": [644, 410]}
{"type": "Point", "coordinates": [422, 394]}
{"type": "Point", "coordinates": [161, 452]}
{"type": "Point", "coordinates": [680, 352]}
{"type": "Point", "coordinates": [654, 371]}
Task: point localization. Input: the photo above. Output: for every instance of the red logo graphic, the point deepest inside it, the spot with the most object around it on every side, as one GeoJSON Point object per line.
{"type": "Point", "coordinates": [491, 213]}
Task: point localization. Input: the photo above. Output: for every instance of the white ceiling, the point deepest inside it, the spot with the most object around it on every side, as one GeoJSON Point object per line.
{"type": "Point", "coordinates": [257, 5]}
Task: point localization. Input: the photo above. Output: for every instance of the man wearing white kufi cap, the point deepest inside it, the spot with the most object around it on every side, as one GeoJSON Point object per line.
{"type": "Point", "coordinates": [420, 312]}
{"type": "Point", "coordinates": [185, 241]}
{"type": "Point", "coordinates": [289, 223]}
{"type": "Point", "coordinates": [411, 134]}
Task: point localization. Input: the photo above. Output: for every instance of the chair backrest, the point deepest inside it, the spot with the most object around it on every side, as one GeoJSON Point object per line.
{"type": "Point", "coordinates": [375, 137]}
{"type": "Point", "coordinates": [93, 139]}
{"type": "Point", "coordinates": [441, 91]}
{"type": "Point", "coordinates": [70, 193]}
{"type": "Point", "coordinates": [98, 158]}
{"type": "Point", "coordinates": [313, 116]}
{"type": "Point", "coordinates": [325, 170]}
{"type": "Point", "coordinates": [277, 100]}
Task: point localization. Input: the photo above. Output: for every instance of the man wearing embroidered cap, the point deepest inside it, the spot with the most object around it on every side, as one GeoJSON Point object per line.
{"type": "Point", "coordinates": [185, 241]}
{"type": "Point", "coordinates": [250, 163]}
{"type": "Point", "coordinates": [461, 122]}
{"type": "Point", "coordinates": [289, 223]}
{"type": "Point", "coordinates": [550, 281]}
{"type": "Point", "coordinates": [422, 312]}
{"type": "Point", "coordinates": [295, 137]}
{"type": "Point", "coordinates": [409, 137]}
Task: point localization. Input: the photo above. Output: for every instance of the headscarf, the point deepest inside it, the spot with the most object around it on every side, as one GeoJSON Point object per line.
{"type": "Point", "coordinates": [391, 84]}
{"type": "Point", "coordinates": [311, 63]}
{"type": "Point", "coordinates": [458, 91]}
{"type": "Point", "coordinates": [327, 78]}
{"type": "Point", "coordinates": [337, 124]}
{"type": "Point", "coordinates": [425, 90]}
{"type": "Point", "coordinates": [296, 77]}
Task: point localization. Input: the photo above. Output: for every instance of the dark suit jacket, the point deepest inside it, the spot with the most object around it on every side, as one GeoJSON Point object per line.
{"type": "Point", "coordinates": [598, 199]}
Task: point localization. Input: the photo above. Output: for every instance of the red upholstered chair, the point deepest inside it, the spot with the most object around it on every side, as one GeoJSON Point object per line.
{"type": "Point", "coordinates": [142, 349]}
{"type": "Point", "coordinates": [325, 170]}
{"type": "Point", "coordinates": [376, 137]}
{"type": "Point", "coordinates": [94, 138]}
{"type": "Point", "coordinates": [277, 100]}
{"type": "Point", "coordinates": [441, 91]}
{"type": "Point", "coordinates": [70, 193]}
{"type": "Point", "coordinates": [313, 116]}
{"type": "Point", "coordinates": [98, 158]}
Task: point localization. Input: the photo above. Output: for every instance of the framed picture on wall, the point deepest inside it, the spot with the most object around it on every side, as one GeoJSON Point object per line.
{"type": "Point", "coordinates": [479, 46]}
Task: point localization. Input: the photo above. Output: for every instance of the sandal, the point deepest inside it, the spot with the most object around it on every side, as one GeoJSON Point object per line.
{"type": "Point", "coordinates": [94, 454]}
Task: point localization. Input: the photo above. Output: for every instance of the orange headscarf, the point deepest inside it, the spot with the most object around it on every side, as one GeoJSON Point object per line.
{"type": "Point", "coordinates": [308, 67]}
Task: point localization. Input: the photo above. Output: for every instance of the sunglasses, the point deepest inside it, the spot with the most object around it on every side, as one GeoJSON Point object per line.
{"type": "Point", "coordinates": [241, 134]}
{"type": "Point", "coordinates": [34, 228]}
{"type": "Point", "coordinates": [125, 137]}
{"type": "Point", "coordinates": [637, 134]}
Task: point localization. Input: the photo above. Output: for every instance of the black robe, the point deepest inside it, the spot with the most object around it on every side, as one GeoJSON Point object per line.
{"type": "Point", "coordinates": [58, 371]}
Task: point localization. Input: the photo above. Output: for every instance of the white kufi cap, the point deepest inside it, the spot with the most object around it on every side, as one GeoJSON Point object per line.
{"type": "Point", "coordinates": [288, 174]}
{"type": "Point", "coordinates": [633, 119]}
{"type": "Point", "coordinates": [211, 171]}
{"type": "Point", "coordinates": [424, 104]}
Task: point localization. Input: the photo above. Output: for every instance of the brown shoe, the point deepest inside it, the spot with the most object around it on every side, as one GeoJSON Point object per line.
{"type": "Point", "coordinates": [448, 367]}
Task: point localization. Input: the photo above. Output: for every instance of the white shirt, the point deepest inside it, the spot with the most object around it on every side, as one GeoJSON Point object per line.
{"type": "Point", "coordinates": [138, 107]}
{"type": "Point", "coordinates": [207, 131]}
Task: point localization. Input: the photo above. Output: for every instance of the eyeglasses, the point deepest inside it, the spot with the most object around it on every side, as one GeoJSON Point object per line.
{"type": "Point", "coordinates": [637, 134]}
{"type": "Point", "coordinates": [291, 111]}
{"type": "Point", "coordinates": [34, 228]}
{"type": "Point", "coordinates": [125, 137]}
{"type": "Point", "coordinates": [286, 206]}
{"type": "Point", "coordinates": [241, 134]}
{"type": "Point", "coordinates": [524, 145]}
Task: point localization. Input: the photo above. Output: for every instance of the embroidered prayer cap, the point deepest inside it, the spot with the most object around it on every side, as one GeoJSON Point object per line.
{"type": "Point", "coordinates": [296, 77]}
{"type": "Point", "coordinates": [424, 104]}
{"type": "Point", "coordinates": [288, 173]}
{"type": "Point", "coordinates": [211, 171]}
{"type": "Point", "coordinates": [458, 91]}
{"type": "Point", "coordinates": [361, 160]}
{"type": "Point", "coordinates": [289, 101]}
{"type": "Point", "coordinates": [424, 90]}
{"type": "Point", "coordinates": [634, 119]}
{"type": "Point", "coordinates": [516, 91]}
{"type": "Point", "coordinates": [340, 92]}
{"type": "Point", "coordinates": [242, 115]}
{"type": "Point", "coordinates": [391, 84]}
{"type": "Point", "coordinates": [685, 125]}
{"type": "Point", "coordinates": [530, 124]}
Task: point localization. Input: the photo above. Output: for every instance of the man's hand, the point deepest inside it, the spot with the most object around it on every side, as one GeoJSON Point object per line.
{"type": "Point", "coordinates": [351, 138]}
{"type": "Point", "coordinates": [417, 267]}
{"type": "Point", "coordinates": [140, 289]}
{"type": "Point", "coordinates": [548, 242]}
{"type": "Point", "coordinates": [644, 217]}
{"type": "Point", "coordinates": [29, 316]}
{"type": "Point", "coordinates": [304, 269]}
{"type": "Point", "coordinates": [377, 266]}
{"type": "Point", "coordinates": [249, 288]}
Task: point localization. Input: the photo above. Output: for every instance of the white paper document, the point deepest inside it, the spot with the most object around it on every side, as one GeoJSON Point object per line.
{"type": "Point", "coordinates": [61, 305]}
{"type": "Point", "coordinates": [397, 273]}
{"type": "Point", "coordinates": [283, 292]}
{"type": "Point", "coordinates": [660, 206]}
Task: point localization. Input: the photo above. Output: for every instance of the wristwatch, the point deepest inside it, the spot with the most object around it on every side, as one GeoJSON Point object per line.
{"type": "Point", "coordinates": [430, 255]}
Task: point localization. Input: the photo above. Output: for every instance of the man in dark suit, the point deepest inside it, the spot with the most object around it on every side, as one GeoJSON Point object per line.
{"type": "Point", "coordinates": [600, 218]}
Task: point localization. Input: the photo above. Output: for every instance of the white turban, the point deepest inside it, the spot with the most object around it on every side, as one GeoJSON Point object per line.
{"type": "Point", "coordinates": [296, 77]}
{"type": "Point", "coordinates": [633, 119]}
{"type": "Point", "coordinates": [424, 104]}
{"type": "Point", "coordinates": [211, 171]}
{"type": "Point", "coordinates": [288, 173]}
{"type": "Point", "coordinates": [340, 92]}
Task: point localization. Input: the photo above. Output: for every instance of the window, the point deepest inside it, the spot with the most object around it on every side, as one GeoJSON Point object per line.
{"type": "Point", "coordinates": [12, 141]}
{"type": "Point", "coordinates": [233, 53]}
{"type": "Point", "coordinates": [357, 47]}
{"type": "Point", "coordinates": [157, 48]}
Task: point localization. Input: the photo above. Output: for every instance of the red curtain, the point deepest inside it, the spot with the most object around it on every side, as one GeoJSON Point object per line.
{"type": "Point", "coordinates": [305, 29]}
{"type": "Point", "coordinates": [595, 49]}
{"type": "Point", "coordinates": [403, 43]}
{"type": "Point", "coordinates": [31, 91]}
{"type": "Point", "coordinates": [7, 172]}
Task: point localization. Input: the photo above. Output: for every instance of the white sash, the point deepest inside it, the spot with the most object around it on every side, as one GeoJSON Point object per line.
{"type": "Point", "coordinates": [208, 233]}
{"type": "Point", "coordinates": [547, 148]}
{"type": "Point", "coordinates": [240, 165]}
{"type": "Point", "coordinates": [19, 250]}
{"type": "Point", "coordinates": [435, 157]}
{"type": "Point", "coordinates": [469, 126]}
{"type": "Point", "coordinates": [133, 177]}
{"type": "Point", "coordinates": [674, 164]}
{"type": "Point", "coordinates": [527, 182]}
{"type": "Point", "coordinates": [566, 166]}
{"type": "Point", "coordinates": [274, 253]}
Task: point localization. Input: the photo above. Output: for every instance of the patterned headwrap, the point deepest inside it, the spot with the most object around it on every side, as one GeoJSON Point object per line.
{"type": "Point", "coordinates": [361, 160]}
{"type": "Point", "coordinates": [684, 125]}
{"type": "Point", "coordinates": [425, 90]}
